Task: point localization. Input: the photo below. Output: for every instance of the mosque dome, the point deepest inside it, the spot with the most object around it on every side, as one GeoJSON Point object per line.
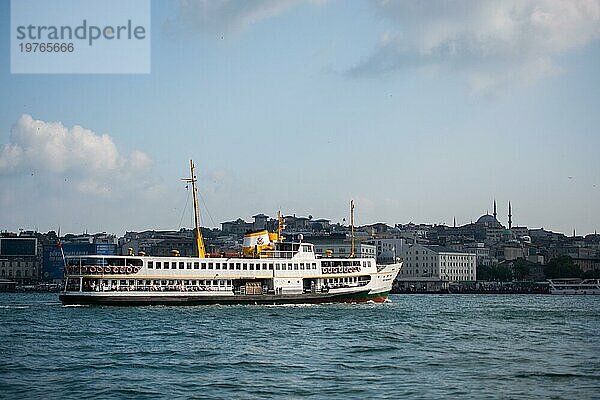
{"type": "Point", "coordinates": [489, 221]}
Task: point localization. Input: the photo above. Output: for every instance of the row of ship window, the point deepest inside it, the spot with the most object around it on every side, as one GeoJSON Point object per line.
{"type": "Point", "coordinates": [150, 282]}
{"type": "Point", "coordinates": [337, 281]}
{"type": "Point", "coordinates": [231, 266]}
{"type": "Point", "coordinates": [343, 250]}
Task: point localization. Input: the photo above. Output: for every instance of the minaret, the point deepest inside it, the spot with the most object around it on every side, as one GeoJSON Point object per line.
{"type": "Point", "coordinates": [509, 216]}
{"type": "Point", "coordinates": [495, 210]}
{"type": "Point", "coordinates": [455, 222]}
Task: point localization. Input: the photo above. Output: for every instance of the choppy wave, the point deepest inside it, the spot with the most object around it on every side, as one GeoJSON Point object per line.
{"type": "Point", "coordinates": [414, 347]}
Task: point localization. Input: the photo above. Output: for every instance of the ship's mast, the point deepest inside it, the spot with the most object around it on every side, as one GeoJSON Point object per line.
{"type": "Point", "coordinates": [199, 240]}
{"type": "Point", "coordinates": [352, 227]}
{"type": "Point", "coordinates": [279, 226]}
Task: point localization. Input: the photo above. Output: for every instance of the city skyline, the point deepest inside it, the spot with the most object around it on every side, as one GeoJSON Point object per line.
{"type": "Point", "coordinates": [419, 114]}
{"type": "Point", "coordinates": [344, 222]}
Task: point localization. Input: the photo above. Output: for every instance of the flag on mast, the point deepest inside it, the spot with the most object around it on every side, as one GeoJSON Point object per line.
{"type": "Point", "coordinates": [59, 246]}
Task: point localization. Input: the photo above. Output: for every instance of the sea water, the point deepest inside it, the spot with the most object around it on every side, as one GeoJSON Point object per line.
{"type": "Point", "coordinates": [415, 346]}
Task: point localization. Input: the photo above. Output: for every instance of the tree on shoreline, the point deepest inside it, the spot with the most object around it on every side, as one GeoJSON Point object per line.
{"type": "Point", "coordinates": [562, 267]}
{"type": "Point", "coordinates": [494, 273]}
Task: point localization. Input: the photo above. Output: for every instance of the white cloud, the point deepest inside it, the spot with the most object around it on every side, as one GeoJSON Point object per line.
{"type": "Point", "coordinates": [493, 43]}
{"type": "Point", "coordinates": [54, 175]}
{"type": "Point", "coordinates": [138, 160]}
{"type": "Point", "coordinates": [89, 186]}
{"type": "Point", "coordinates": [40, 145]}
{"type": "Point", "coordinates": [226, 16]}
{"type": "Point", "coordinates": [90, 161]}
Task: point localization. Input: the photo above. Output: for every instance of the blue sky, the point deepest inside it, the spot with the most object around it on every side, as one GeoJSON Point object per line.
{"type": "Point", "coordinates": [418, 113]}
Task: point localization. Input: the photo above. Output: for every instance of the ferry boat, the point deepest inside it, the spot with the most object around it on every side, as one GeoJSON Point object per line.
{"type": "Point", "coordinates": [574, 286]}
{"type": "Point", "coordinates": [270, 270]}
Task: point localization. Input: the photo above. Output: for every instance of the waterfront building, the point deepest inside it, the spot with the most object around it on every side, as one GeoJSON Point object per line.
{"type": "Point", "coordinates": [433, 267]}
{"type": "Point", "coordinates": [53, 262]}
{"type": "Point", "coordinates": [388, 248]}
{"type": "Point", "coordinates": [19, 259]}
